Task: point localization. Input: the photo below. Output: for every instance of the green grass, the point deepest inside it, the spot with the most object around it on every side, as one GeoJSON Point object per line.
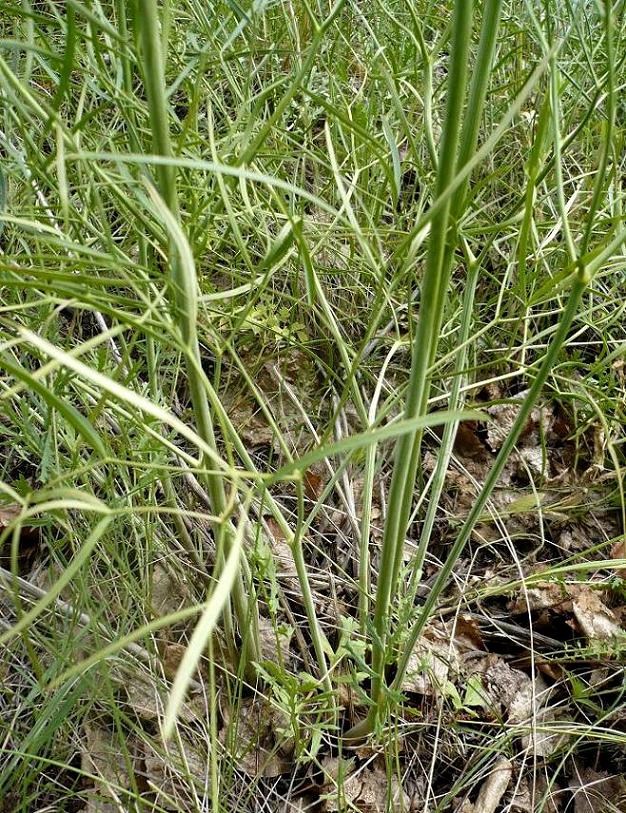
{"type": "Point", "coordinates": [267, 271]}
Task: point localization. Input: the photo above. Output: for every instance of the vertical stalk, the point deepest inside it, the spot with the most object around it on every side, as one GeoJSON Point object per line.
{"type": "Point", "coordinates": [185, 287]}
{"type": "Point", "coordinates": [405, 464]}
{"type": "Point", "coordinates": [469, 138]}
{"type": "Point", "coordinates": [434, 289]}
{"type": "Point", "coordinates": [449, 432]}
{"type": "Point", "coordinates": [605, 149]}
{"type": "Point", "coordinates": [578, 287]}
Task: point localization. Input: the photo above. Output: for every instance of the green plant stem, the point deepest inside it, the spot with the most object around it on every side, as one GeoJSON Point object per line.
{"type": "Point", "coordinates": [449, 434]}
{"type": "Point", "coordinates": [605, 149]}
{"type": "Point", "coordinates": [469, 138]}
{"type": "Point", "coordinates": [578, 287]}
{"type": "Point", "coordinates": [406, 458]}
{"type": "Point", "coordinates": [185, 288]}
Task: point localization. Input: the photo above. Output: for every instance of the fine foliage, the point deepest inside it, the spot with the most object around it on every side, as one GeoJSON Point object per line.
{"type": "Point", "coordinates": [312, 383]}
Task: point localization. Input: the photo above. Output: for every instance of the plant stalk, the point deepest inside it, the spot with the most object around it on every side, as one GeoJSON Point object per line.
{"type": "Point", "coordinates": [185, 287]}
{"type": "Point", "coordinates": [406, 457]}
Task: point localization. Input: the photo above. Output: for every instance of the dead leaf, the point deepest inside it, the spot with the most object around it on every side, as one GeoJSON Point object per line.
{"type": "Point", "coordinates": [171, 656]}
{"type": "Point", "coordinates": [367, 791]}
{"type": "Point", "coordinates": [8, 514]}
{"type": "Point", "coordinates": [542, 596]}
{"type": "Point", "coordinates": [147, 697]}
{"type": "Point", "coordinates": [467, 634]}
{"type": "Point", "coordinates": [433, 662]}
{"type": "Point", "coordinates": [274, 642]}
{"type": "Point", "coordinates": [504, 415]}
{"type": "Point", "coordinates": [508, 692]}
{"type": "Point", "coordinates": [494, 787]}
{"type": "Point", "coordinates": [100, 756]}
{"type": "Point", "coordinates": [250, 424]}
{"type": "Point", "coordinates": [168, 592]}
{"type": "Point", "coordinates": [285, 565]}
{"type": "Point", "coordinates": [172, 772]}
{"type": "Point", "coordinates": [542, 740]}
{"type": "Point", "coordinates": [258, 737]}
{"type": "Point", "coordinates": [595, 620]}
{"type": "Point", "coordinates": [618, 551]}
{"type": "Point", "coordinates": [467, 443]}
{"type": "Point", "coordinates": [597, 791]}
{"type": "Point", "coordinates": [524, 800]}
{"type": "Point", "coordinates": [314, 483]}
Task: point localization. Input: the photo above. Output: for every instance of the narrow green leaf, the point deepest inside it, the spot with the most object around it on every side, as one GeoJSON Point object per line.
{"type": "Point", "coordinates": [364, 439]}
{"type": "Point", "coordinates": [203, 630]}
{"type": "Point", "coordinates": [66, 410]}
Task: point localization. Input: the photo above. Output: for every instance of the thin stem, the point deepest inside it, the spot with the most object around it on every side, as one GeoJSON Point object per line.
{"type": "Point", "coordinates": [449, 434]}
{"type": "Point", "coordinates": [600, 179]}
{"type": "Point", "coordinates": [185, 287]}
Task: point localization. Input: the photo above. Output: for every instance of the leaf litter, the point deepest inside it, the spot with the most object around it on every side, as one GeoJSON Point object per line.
{"type": "Point", "coordinates": [457, 671]}
{"type": "Point", "coordinates": [456, 668]}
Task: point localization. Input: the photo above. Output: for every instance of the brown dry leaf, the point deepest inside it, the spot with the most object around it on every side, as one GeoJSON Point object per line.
{"type": "Point", "coordinates": [524, 800]}
{"type": "Point", "coordinates": [283, 557]}
{"type": "Point", "coordinates": [96, 803]}
{"type": "Point", "coordinates": [467, 443]}
{"type": "Point", "coordinates": [591, 617]}
{"type": "Point", "coordinates": [494, 787]}
{"type": "Point", "coordinates": [168, 592]}
{"type": "Point", "coordinates": [434, 662]}
{"type": "Point", "coordinates": [597, 792]}
{"type": "Point", "coordinates": [367, 791]}
{"type": "Point", "coordinates": [274, 643]}
{"type": "Point", "coordinates": [171, 772]}
{"type": "Point", "coordinates": [467, 634]}
{"type": "Point", "coordinates": [147, 697]}
{"type": "Point", "coordinates": [171, 656]}
{"type": "Point", "coordinates": [543, 596]}
{"type": "Point", "coordinates": [508, 691]}
{"type": "Point", "coordinates": [314, 482]}
{"type": "Point", "coordinates": [503, 416]}
{"type": "Point", "coordinates": [101, 756]}
{"type": "Point", "coordinates": [250, 424]}
{"type": "Point", "coordinates": [259, 738]}
{"type": "Point", "coordinates": [542, 740]}
{"type": "Point", "coordinates": [8, 514]}
{"type": "Point", "coordinates": [595, 620]}
{"type": "Point", "coordinates": [573, 538]}
{"type": "Point", "coordinates": [618, 551]}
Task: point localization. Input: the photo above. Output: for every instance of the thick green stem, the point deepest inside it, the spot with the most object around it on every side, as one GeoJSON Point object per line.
{"type": "Point", "coordinates": [476, 512]}
{"type": "Point", "coordinates": [449, 435]}
{"type": "Point", "coordinates": [469, 138]}
{"type": "Point", "coordinates": [405, 464]}
{"type": "Point", "coordinates": [578, 287]}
